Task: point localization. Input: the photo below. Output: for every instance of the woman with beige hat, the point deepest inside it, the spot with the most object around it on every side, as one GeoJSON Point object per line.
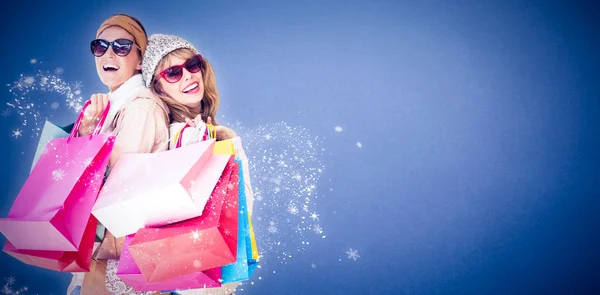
{"type": "Point", "coordinates": [138, 120]}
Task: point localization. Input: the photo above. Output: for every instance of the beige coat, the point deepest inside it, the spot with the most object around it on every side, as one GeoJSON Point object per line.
{"type": "Point", "coordinates": [139, 121]}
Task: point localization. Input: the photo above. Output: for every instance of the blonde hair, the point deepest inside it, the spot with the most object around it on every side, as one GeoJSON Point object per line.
{"type": "Point", "coordinates": [210, 100]}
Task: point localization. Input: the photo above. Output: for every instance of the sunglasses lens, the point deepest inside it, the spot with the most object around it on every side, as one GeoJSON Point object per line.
{"type": "Point", "coordinates": [173, 74]}
{"type": "Point", "coordinates": [99, 47]}
{"type": "Point", "coordinates": [122, 47]}
{"type": "Point", "coordinates": [193, 64]}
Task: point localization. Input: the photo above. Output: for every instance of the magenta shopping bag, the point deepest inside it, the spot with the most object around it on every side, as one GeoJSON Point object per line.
{"type": "Point", "coordinates": [54, 205]}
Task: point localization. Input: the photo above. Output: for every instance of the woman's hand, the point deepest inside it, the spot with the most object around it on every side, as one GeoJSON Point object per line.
{"type": "Point", "coordinates": [223, 132]}
{"type": "Point", "coordinates": [195, 122]}
{"type": "Point", "coordinates": [92, 113]}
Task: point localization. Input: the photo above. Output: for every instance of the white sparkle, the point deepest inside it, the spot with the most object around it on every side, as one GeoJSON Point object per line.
{"type": "Point", "coordinates": [195, 235]}
{"type": "Point", "coordinates": [314, 216]}
{"type": "Point", "coordinates": [293, 209]}
{"type": "Point", "coordinates": [54, 105]}
{"type": "Point", "coordinates": [358, 144]}
{"type": "Point", "coordinates": [88, 161]}
{"type": "Point", "coordinates": [33, 61]}
{"type": "Point", "coordinates": [338, 129]}
{"type": "Point", "coordinates": [58, 174]}
{"type": "Point", "coordinates": [197, 264]}
{"type": "Point", "coordinates": [272, 229]}
{"type": "Point", "coordinates": [59, 71]}
{"type": "Point", "coordinates": [318, 229]}
{"type": "Point", "coordinates": [17, 133]}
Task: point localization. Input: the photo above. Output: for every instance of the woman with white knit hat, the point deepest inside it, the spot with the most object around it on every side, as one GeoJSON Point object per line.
{"type": "Point", "coordinates": [174, 71]}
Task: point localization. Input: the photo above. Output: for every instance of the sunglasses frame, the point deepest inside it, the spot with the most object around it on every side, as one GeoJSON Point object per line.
{"type": "Point", "coordinates": [181, 66]}
{"type": "Point", "coordinates": [112, 44]}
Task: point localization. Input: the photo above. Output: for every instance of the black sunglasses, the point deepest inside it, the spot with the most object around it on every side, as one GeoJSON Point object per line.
{"type": "Point", "coordinates": [121, 47]}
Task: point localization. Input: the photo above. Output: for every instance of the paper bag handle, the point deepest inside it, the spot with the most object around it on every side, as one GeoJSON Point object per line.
{"type": "Point", "coordinates": [80, 118]}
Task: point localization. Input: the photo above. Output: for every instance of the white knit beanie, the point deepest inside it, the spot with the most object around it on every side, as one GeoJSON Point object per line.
{"type": "Point", "coordinates": [159, 45]}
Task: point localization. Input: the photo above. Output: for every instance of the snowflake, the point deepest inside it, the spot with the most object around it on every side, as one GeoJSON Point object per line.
{"type": "Point", "coordinates": [358, 144]}
{"type": "Point", "coordinates": [77, 85]}
{"type": "Point", "coordinates": [318, 229]}
{"type": "Point", "coordinates": [6, 289]}
{"type": "Point", "coordinates": [33, 61]}
{"type": "Point", "coordinates": [88, 161]}
{"type": "Point", "coordinates": [17, 133]}
{"type": "Point", "coordinates": [314, 216]}
{"type": "Point", "coordinates": [54, 105]}
{"type": "Point", "coordinates": [227, 232]}
{"type": "Point", "coordinates": [58, 174]}
{"type": "Point", "coordinates": [5, 113]}
{"type": "Point", "coordinates": [313, 265]}
{"type": "Point", "coordinates": [29, 80]}
{"type": "Point", "coordinates": [297, 177]}
{"type": "Point", "coordinates": [272, 229]}
{"type": "Point", "coordinates": [59, 71]}
{"type": "Point", "coordinates": [195, 235]}
{"type": "Point", "coordinates": [197, 264]}
{"type": "Point", "coordinates": [338, 129]}
{"type": "Point", "coordinates": [293, 209]}
{"type": "Point", "coordinates": [352, 254]}
{"type": "Point", "coordinates": [268, 136]}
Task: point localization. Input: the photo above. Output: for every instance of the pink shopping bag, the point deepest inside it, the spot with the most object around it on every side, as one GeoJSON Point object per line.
{"type": "Point", "coordinates": [149, 190]}
{"type": "Point", "coordinates": [53, 207]}
{"type": "Point", "coordinates": [65, 261]}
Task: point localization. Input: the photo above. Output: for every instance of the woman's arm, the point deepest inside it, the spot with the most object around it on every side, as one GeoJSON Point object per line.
{"type": "Point", "coordinates": [141, 128]}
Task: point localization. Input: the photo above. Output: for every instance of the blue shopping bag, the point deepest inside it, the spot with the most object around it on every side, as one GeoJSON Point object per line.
{"type": "Point", "coordinates": [244, 266]}
{"type": "Point", "coordinates": [49, 132]}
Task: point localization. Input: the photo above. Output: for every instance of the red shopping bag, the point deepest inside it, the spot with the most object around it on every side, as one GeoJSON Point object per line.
{"type": "Point", "coordinates": [130, 273]}
{"type": "Point", "coordinates": [196, 244]}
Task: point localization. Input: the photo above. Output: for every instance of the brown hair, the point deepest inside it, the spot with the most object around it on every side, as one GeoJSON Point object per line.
{"type": "Point", "coordinates": [210, 100]}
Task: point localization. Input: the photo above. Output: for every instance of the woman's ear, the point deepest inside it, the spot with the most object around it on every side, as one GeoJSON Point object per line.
{"type": "Point", "coordinates": [139, 66]}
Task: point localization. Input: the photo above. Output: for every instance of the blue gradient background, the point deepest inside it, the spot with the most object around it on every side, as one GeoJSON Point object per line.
{"type": "Point", "coordinates": [479, 123]}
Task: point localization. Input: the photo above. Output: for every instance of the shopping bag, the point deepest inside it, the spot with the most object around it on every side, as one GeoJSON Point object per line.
{"type": "Point", "coordinates": [196, 244]}
{"type": "Point", "coordinates": [242, 269]}
{"type": "Point", "coordinates": [49, 132]}
{"type": "Point", "coordinates": [64, 261]}
{"type": "Point", "coordinates": [130, 273]}
{"type": "Point", "coordinates": [53, 207]}
{"type": "Point", "coordinates": [150, 190]}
